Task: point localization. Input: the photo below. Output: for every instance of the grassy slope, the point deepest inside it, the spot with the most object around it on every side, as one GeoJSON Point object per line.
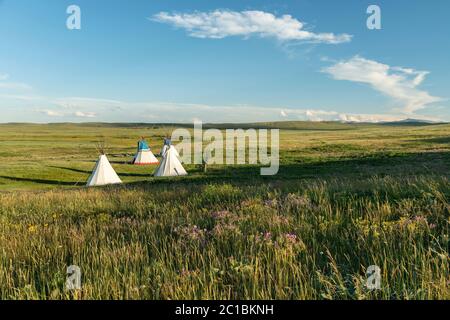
{"type": "Point", "coordinates": [346, 197]}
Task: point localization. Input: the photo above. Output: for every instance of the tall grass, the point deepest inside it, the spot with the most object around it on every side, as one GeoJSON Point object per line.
{"type": "Point", "coordinates": [309, 239]}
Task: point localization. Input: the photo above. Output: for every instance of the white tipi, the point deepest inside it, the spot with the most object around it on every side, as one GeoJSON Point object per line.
{"type": "Point", "coordinates": [103, 173]}
{"type": "Point", "coordinates": [144, 155]}
{"type": "Point", "coordinates": [170, 164]}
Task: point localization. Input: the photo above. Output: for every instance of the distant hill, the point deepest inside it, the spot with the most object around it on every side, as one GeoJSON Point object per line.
{"type": "Point", "coordinates": [411, 122]}
{"type": "Point", "coordinates": [285, 125]}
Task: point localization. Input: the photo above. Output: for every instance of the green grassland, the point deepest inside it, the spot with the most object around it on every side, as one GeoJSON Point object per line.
{"type": "Point", "coordinates": [347, 196]}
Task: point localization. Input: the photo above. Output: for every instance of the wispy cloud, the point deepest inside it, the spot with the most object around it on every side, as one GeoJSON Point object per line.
{"type": "Point", "coordinates": [81, 107]}
{"type": "Point", "coordinates": [81, 114]}
{"type": "Point", "coordinates": [83, 102]}
{"type": "Point", "coordinates": [224, 23]}
{"type": "Point", "coordinates": [396, 82]}
{"type": "Point", "coordinates": [50, 113]}
{"type": "Point", "coordinates": [72, 107]}
{"type": "Point", "coordinates": [60, 113]}
{"type": "Point", "coordinates": [4, 84]}
{"type": "Point", "coordinates": [174, 112]}
{"type": "Point", "coordinates": [327, 115]}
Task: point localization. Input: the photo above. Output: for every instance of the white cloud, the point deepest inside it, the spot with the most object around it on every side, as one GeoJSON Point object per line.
{"type": "Point", "coordinates": [173, 112]}
{"type": "Point", "coordinates": [396, 82]}
{"type": "Point", "coordinates": [320, 115]}
{"type": "Point", "coordinates": [83, 103]}
{"type": "Point", "coordinates": [51, 113]}
{"type": "Point", "coordinates": [81, 114]}
{"type": "Point", "coordinates": [223, 23]}
{"type": "Point", "coordinates": [61, 113]}
{"type": "Point", "coordinates": [324, 115]}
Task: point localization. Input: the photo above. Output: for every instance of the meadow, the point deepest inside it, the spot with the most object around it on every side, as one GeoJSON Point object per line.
{"type": "Point", "coordinates": [347, 196]}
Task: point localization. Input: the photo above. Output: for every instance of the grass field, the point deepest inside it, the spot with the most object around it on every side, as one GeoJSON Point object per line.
{"type": "Point", "coordinates": [347, 196]}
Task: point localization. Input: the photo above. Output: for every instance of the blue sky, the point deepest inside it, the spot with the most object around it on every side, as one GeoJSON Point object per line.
{"type": "Point", "coordinates": [223, 61]}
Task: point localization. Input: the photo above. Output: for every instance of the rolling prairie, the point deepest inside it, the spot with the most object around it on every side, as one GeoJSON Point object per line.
{"type": "Point", "coordinates": [347, 196]}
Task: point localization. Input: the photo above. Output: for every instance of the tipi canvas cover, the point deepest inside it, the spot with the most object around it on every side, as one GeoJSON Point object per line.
{"type": "Point", "coordinates": [103, 174]}
{"type": "Point", "coordinates": [144, 155]}
{"type": "Point", "coordinates": [170, 164]}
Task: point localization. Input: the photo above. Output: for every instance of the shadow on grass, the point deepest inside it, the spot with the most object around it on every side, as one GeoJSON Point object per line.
{"type": "Point", "coordinates": [126, 174]}
{"type": "Point", "coordinates": [142, 175]}
{"type": "Point", "coordinates": [42, 181]}
{"type": "Point", "coordinates": [71, 169]}
{"type": "Point", "coordinates": [443, 140]}
{"type": "Point", "coordinates": [376, 164]}
{"type": "Point", "coordinates": [402, 165]}
{"type": "Point", "coordinates": [120, 162]}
